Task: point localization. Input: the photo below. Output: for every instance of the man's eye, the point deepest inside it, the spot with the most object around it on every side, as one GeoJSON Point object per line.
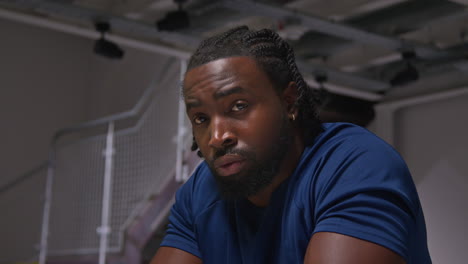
{"type": "Point", "coordinates": [239, 106]}
{"type": "Point", "coordinates": [199, 120]}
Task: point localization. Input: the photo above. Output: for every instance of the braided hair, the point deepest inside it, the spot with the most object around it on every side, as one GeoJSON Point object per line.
{"type": "Point", "coordinates": [275, 57]}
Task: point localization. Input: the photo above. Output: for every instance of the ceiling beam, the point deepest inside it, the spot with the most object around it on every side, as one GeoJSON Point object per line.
{"type": "Point", "coordinates": [345, 90]}
{"type": "Point", "coordinates": [92, 34]}
{"type": "Point", "coordinates": [314, 23]}
{"type": "Point", "coordinates": [336, 29]}
{"type": "Point", "coordinates": [462, 2]}
{"type": "Point", "coordinates": [343, 78]}
{"type": "Point", "coordinates": [455, 58]}
{"type": "Point", "coordinates": [89, 16]}
{"type": "Point", "coordinates": [375, 5]}
{"type": "Point", "coordinates": [178, 40]}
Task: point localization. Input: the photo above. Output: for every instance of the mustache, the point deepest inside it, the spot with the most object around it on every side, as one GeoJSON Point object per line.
{"type": "Point", "coordinates": [232, 151]}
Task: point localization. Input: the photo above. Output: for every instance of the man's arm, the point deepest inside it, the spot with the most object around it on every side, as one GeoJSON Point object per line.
{"type": "Point", "coordinates": [169, 255]}
{"type": "Point", "coordinates": [334, 248]}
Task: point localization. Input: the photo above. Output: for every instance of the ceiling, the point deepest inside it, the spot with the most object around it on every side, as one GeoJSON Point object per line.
{"type": "Point", "coordinates": [365, 47]}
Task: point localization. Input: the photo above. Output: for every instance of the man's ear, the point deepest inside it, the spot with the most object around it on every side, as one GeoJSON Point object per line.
{"type": "Point", "coordinates": [289, 97]}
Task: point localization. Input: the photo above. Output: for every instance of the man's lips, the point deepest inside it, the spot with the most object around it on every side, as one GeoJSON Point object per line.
{"type": "Point", "coordinates": [229, 164]}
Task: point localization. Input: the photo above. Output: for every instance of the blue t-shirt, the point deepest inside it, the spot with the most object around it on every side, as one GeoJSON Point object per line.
{"type": "Point", "coordinates": [349, 182]}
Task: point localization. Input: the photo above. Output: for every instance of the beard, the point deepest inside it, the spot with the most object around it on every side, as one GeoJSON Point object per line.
{"type": "Point", "coordinates": [259, 172]}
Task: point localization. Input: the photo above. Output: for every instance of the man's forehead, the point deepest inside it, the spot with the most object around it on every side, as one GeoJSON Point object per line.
{"type": "Point", "coordinates": [213, 80]}
{"type": "Point", "coordinates": [216, 67]}
{"type": "Point", "coordinates": [219, 72]}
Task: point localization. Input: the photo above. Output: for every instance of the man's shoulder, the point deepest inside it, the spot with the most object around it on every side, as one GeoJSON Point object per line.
{"type": "Point", "coordinates": [343, 131]}
{"type": "Point", "coordinates": [346, 154]}
{"type": "Point", "coordinates": [344, 151]}
{"type": "Point", "coordinates": [339, 139]}
{"type": "Point", "coordinates": [344, 144]}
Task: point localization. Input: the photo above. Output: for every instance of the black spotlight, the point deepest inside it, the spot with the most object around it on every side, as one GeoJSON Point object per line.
{"type": "Point", "coordinates": [174, 20]}
{"type": "Point", "coordinates": [104, 47]}
{"type": "Point", "coordinates": [409, 73]}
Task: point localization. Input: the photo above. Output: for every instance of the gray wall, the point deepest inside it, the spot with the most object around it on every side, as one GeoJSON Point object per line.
{"type": "Point", "coordinates": [44, 76]}
{"type": "Point", "coordinates": [432, 137]}
{"type": "Point", "coordinates": [117, 85]}
{"type": "Point", "coordinates": [426, 122]}
{"type": "Point", "coordinates": [51, 80]}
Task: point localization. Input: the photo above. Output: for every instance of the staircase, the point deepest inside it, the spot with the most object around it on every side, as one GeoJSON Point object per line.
{"type": "Point", "coordinates": [109, 186]}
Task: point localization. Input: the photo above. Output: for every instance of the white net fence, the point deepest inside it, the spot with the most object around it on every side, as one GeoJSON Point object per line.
{"type": "Point", "coordinates": [77, 196]}
{"type": "Point", "coordinates": [144, 158]}
{"type": "Point", "coordinates": [19, 236]}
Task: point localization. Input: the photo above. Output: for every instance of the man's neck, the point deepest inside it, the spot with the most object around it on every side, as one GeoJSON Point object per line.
{"type": "Point", "coordinates": [287, 167]}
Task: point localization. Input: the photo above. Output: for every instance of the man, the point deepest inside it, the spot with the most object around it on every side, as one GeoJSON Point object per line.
{"type": "Point", "coordinates": [277, 186]}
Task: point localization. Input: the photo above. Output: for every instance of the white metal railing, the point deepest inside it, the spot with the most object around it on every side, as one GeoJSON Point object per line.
{"type": "Point", "coordinates": [137, 161]}
{"type": "Point", "coordinates": [85, 194]}
{"type": "Point", "coordinates": [105, 229]}
{"type": "Point", "coordinates": [96, 183]}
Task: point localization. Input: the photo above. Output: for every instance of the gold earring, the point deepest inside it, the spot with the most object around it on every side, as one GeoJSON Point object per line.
{"type": "Point", "coordinates": [293, 117]}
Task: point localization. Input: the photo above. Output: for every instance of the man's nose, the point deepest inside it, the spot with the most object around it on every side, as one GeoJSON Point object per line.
{"type": "Point", "coordinates": [222, 134]}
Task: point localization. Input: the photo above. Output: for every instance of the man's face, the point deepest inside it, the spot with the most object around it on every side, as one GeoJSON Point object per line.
{"type": "Point", "coordinates": [239, 122]}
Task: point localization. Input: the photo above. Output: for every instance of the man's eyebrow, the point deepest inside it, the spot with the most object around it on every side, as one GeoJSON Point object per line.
{"type": "Point", "coordinates": [192, 103]}
{"type": "Point", "coordinates": [225, 92]}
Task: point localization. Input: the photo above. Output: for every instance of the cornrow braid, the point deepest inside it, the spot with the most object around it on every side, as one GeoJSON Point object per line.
{"type": "Point", "coordinates": [276, 57]}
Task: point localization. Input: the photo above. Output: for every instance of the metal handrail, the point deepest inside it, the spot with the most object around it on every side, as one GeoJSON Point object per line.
{"type": "Point", "coordinates": [23, 177]}
{"type": "Point", "coordinates": [64, 131]}
{"type": "Point", "coordinates": [137, 108]}
{"type": "Point", "coordinates": [109, 120]}
{"type": "Point", "coordinates": [134, 113]}
{"type": "Point", "coordinates": [81, 126]}
{"type": "Point", "coordinates": [112, 118]}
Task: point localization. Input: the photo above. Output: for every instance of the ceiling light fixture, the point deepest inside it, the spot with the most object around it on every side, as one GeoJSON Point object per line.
{"type": "Point", "coordinates": [174, 20]}
{"type": "Point", "coordinates": [105, 47]}
{"type": "Point", "coordinates": [409, 73]}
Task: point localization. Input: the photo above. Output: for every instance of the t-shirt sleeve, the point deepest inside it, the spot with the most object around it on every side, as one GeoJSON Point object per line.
{"type": "Point", "coordinates": [366, 191]}
{"type": "Point", "coordinates": [180, 232]}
